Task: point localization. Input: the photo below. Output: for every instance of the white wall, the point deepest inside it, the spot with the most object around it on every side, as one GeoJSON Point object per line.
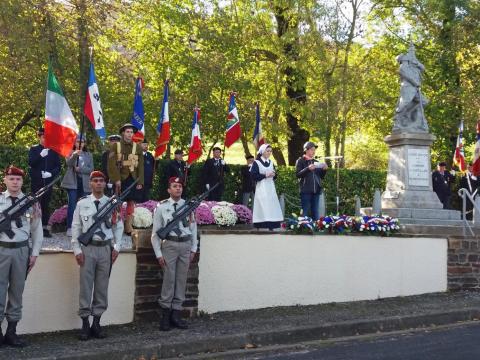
{"type": "Point", "coordinates": [240, 272]}
{"type": "Point", "coordinates": [50, 299]}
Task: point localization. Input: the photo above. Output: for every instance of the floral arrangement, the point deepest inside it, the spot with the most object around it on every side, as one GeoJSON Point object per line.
{"type": "Point", "coordinates": [59, 216]}
{"type": "Point", "coordinates": [224, 215]}
{"type": "Point", "coordinates": [332, 224]}
{"type": "Point", "coordinates": [204, 215]}
{"type": "Point", "coordinates": [142, 217]}
{"type": "Point", "coordinates": [150, 205]}
{"type": "Point", "coordinates": [244, 214]}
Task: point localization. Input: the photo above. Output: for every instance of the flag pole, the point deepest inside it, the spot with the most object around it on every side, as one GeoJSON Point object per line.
{"type": "Point", "coordinates": [82, 116]}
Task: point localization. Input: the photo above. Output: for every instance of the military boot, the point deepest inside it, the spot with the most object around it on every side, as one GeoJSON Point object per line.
{"type": "Point", "coordinates": [165, 319]}
{"type": "Point", "coordinates": [96, 329]}
{"type": "Point", "coordinates": [177, 321]}
{"type": "Point", "coordinates": [11, 338]}
{"type": "Point", "coordinates": [85, 332]}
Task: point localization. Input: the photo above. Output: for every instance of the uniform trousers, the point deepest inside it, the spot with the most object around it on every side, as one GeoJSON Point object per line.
{"type": "Point", "coordinates": [177, 259]}
{"type": "Point", "coordinates": [13, 271]}
{"type": "Point", "coordinates": [94, 276]}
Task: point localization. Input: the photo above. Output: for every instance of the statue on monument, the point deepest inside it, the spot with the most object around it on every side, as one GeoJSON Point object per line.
{"type": "Point", "coordinates": [409, 114]}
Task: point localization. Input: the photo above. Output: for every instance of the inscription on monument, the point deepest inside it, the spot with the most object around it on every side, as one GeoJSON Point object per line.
{"type": "Point", "coordinates": [418, 173]}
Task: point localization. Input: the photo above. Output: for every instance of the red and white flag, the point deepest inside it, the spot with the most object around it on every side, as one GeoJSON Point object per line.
{"type": "Point", "coordinates": [163, 127]}
{"type": "Point", "coordinates": [459, 156]}
{"type": "Point", "coordinates": [195, 150]}
{"type": "Point", "coordinates": [476, 153]}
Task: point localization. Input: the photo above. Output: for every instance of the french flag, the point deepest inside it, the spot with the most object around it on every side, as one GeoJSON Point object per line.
{"type": "Point", "coordinates": [163, 127]}
{"type": "Point", "coordinates": [258, 139]}
{"type": "Point", "coordinates": [93, 107]}
{"type": "Point", "coordinates": [138, 117]}
{"type": "Point", "coordinates": [195, 150]}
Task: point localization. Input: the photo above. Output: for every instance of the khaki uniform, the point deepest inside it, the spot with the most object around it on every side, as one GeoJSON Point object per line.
{"type": "Point", "coordinates": [124, 161]}
{"type": "Point", "coordinates": [176, 252]}
{"type": "Point", "coordinates": [14, 257]}
{"type": "Point", "coordinates": [95, 273]}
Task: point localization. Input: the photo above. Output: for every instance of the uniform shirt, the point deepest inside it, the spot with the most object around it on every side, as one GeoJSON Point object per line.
{"type": "Point", "coordinates": [31, 224]}
{"type": "Point", "coordinates": [83, 219]}
{"type": "Point", "coordinates": [162, 215]}
{"type": "Point", "coordinates": [37, 164]}
{"type": "Point", "coordinates": [114, 172]}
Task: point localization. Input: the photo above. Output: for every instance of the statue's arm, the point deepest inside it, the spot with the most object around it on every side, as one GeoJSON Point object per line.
{"type": "Point", "coordinates": [405, 76]}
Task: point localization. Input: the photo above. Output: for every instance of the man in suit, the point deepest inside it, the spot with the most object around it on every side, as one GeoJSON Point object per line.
{"type": "Point", "coordinates": [441, 181]}
{"type": "Point", "coordinates": [44, 166]}
{"type": "Point", "coordinates": [213, 172]}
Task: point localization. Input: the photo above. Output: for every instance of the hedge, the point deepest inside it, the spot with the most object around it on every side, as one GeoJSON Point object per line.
{"type": "Point", "coordinates": [352, 182]}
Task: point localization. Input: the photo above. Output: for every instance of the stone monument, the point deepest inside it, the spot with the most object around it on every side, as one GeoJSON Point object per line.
{"type": "Point", "coordinates": [409, 193]}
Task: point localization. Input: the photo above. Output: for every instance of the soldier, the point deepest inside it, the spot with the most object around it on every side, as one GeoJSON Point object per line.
{"type": "Point", "coordinates": [112, 139]}
{"type": "Point", "coordinates": [96, 259]}
{"type": "Point", "coordinates": [174, 255]}
{"type": "Point", "coordinates": [125, 164]}
{"type": "Point", "coordinates": [15, 258]}
{"type": "Point", "coordinates": [177, 167]}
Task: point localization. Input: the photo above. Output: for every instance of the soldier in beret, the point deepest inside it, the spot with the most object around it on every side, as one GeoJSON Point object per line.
{"type": "Point", "coordinates": [16, 258]}
{"type": "Point", "coordinates": [125, 165]}
{"type": "Point", "coordinates": [96, 259]}
{"type": "Point", "coordinates": [174, 255]}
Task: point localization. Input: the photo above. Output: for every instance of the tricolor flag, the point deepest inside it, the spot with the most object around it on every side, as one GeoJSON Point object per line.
{"type": "Point", "coordinates": [258, 139]}
{"type": "Point", "coordinates": [476, 153]}
{"type": "Point", "coordinates": [93, 106]}
{"type": "Point", "coordinates": [459, 156]}
{"type": "Point", "coordinates": [195, 150]}
{"type": "Point", "coordinates": [233, 132]}
{"type": "Point", "coordinates": [138, 117]}
{"type": "Point", "coordinates": [60, 127]}
{"type": "Point", "coordinates": [163, 127]}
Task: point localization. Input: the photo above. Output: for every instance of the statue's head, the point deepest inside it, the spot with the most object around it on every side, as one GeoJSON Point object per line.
{"type": "Point", "coordinates": [409, 56]}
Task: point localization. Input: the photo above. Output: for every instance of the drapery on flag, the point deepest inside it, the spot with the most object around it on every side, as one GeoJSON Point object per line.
{"type": "Point", "coordinates": [93, 107]}
{"type": "Point", "coordinates": [138, 116]}
{"type": "Point", "coordinates": [233, 132]}
{"type": "Point", "coordinates": [60, 127]}
{"type": "Point", "coordinates": [195, 150]}
{"type": "Point", "coordinates": [163, 127]}
{"type": "Point", "coordinates": [459, 156]}
{"type": "Point", "coordinates": [258, 139]}
{"type": "Point", "coordinates": [476, 153]}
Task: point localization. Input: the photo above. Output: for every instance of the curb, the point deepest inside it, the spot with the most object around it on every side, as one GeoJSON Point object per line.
{"type": "Point", "coordinates": [283, 336]}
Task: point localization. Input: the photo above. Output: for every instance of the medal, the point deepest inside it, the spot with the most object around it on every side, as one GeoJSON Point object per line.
{"type": "Point", "coordinates": [85, 218]}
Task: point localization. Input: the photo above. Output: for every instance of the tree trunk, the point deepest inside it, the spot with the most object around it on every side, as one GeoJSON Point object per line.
{"type": "Point", "coordinates": [244, 141]}
{"type": "Point", "coordinates": [83, 57]}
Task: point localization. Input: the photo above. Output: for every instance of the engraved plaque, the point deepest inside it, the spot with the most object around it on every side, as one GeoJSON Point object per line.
{"type": "Point", "coordinates": [418, 169]}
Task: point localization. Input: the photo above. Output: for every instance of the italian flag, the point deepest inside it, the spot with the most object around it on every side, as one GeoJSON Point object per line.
{"type": "Point", "coordinates": [60, 127]}
{"type": "Point", "coordinates": [233, 132]}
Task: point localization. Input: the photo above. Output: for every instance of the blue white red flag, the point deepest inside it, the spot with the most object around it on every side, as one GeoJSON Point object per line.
{"type": "Point", "coordinates": [258, 139]}
{"type": "Point", "coordinates": [163, 127]}
{"type": "Point", "coordinates": [93, 107]}
{"type": "Point", "coordinates": [195, 150]}
{"type": "Point", "coordinates": [138, 116]}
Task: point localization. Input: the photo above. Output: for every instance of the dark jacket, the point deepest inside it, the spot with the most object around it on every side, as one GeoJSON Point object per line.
{"type": "Point", "coordinates": [105, 163]}
{"type": "Point", "coordinates": [248, 185]}
{"type": "Point", "coordinates": [213, 172]}
{"type": "Point", "coordinates": [255, 171]}
{"type": "Point", "coordinates": [176, 169]}
{"type": "Point", "coordinates": [37, 164]}
{"type": "Point", "coordinates": [310, 181]}
{"type": "Point", "coordinates": [441, 183]}
{"type": "Point", "coordinates": [474, 183]}
{"type": "Point", "coordinates": [148, 168]}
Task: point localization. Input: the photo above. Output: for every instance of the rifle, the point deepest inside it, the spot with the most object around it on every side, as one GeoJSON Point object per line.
{"type": "Point", "coordinates": [182, 212]}
{"type": "Point", "coordinates": [15, 211]}
{"type": "Point", "coordinates": [102, 216]}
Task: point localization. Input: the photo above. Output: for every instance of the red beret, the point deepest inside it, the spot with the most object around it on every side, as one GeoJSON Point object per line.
{"type": "Point", "coordinates": [13, 170]}
{"type": "Point", "coordinates": [175, 180]}
{"type": "Point", "coordinates": [97, 174]}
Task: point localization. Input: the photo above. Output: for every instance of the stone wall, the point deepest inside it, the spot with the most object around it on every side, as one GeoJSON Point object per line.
{"type": "Point", "coordinates": [463, 263]}
{"type": "Point", "coordinates": [148, 281]}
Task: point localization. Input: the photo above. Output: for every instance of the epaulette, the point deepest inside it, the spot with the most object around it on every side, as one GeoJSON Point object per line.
{"type": "Point", "coordinates": [163, 201]}
{"type": "Point", "coordinates": [83, 197]}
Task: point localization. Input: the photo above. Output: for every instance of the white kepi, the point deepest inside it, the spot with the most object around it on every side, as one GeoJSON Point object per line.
{"type": "Point", "coordinates": [266, 207]}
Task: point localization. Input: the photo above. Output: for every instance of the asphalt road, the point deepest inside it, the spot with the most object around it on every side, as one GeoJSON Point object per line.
{"type": "Point", "coordinates": [454, 343]}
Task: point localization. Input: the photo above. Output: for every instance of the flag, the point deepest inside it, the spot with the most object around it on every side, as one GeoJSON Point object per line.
{"type": "Point", "coordinates": [138, 117]}
{"type": "Point", "coordinates": [233, 132]}
{"type": "Point", "coordinates": [163, 127]}
{"type": "Point", "coordinates": [476, 154]}
{"type": "Point", "coordinates": [195, 150]}
{"type": "Point", "coordinates": [258, 139]}
{"type": "Point", "coordinates": [93, 107]}
{"type": "Point", "coordinates": [459, 156]}
{"type": "Point", "coordinates": [60, 127]}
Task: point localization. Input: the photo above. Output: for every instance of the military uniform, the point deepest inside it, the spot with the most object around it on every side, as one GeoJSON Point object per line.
{"type": "Point", "coordinates": [176, 251]}
{"type": "Point", "coordinates": [95, 272]}
{"type": "Point", "coordinates": [15, 257]}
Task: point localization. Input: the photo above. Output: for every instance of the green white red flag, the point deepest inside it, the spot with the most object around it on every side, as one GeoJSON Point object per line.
{"type": "Point", "coordinates": [233, 132]}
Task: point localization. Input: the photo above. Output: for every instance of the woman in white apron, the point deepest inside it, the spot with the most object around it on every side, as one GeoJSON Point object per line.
{"type": "Point", "coordinates": [266, 207]}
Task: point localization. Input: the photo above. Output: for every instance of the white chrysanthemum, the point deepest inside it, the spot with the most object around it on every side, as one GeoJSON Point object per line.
{"type": "Point", "coordinates": [224, 215]}
{"type": "Point", "coordinates": [142, 218]}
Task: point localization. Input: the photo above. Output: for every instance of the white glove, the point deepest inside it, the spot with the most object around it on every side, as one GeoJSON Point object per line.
{"type": "Point", "coordinates": [44, 153]}
{"type": "Point", "coordinates": [452, 172]}
{"type": "Point", "coordinates": [109, 185]}
{"type": "Point", "coordinates": [207, 186]}
{"type": "Point", "coordinates": [222, 162]}
{"type": "Point", "coordinates": [46, 174]}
